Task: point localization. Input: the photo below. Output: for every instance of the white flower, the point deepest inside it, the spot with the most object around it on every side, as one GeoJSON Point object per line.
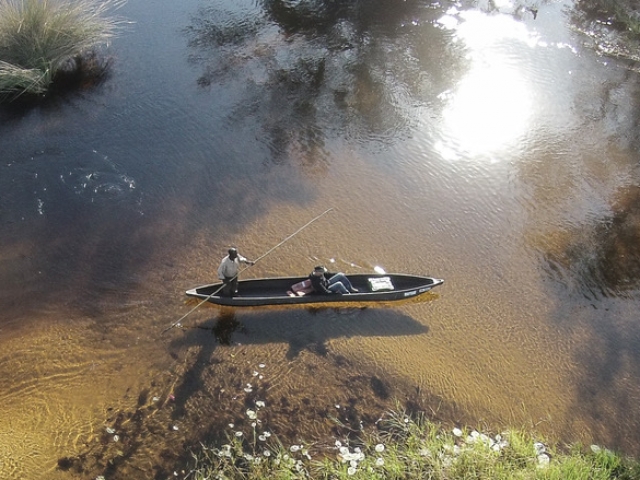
{"type": "Point", "coordinates": [379, 448]}
{"type": "Point", "coordinates": [294, 448]}
{"type": "Point", "coordinates": [267, 434]}
{"type": "Point", "coordinates": [110, 430]}
{"type": "Point", "coordinates": [499, 443]}
{"type": "Point", "coordinates": [262, 365]}
{"type": "Point", "coordinates": [248, 388]}
{"type": "Point", "coordinates": [251, 414]}
{"type": "Point", "coordinates": [255, 374]}
{"type": "Point", "coordinates": [262, 438]}
{"type": "Point", "coordinates": [596, 449]}
{"type": "Point", "coordinates": [260, 404]}
{"type": "Point", "coordinates": [543, 460]}
{"type": "Point", "coordinates": [344, 450]}
{"type": "Point", "coordinates": [457, 432]}
{"type": "Point", "coordinates": [379, 462]}
{"type": "Point", "coordinates": [338, 443]}
{"type": "Point", "coordinates": [539, 448]}
{"type": "Point", "coordinates": [351, 457]}
{"type": "Point", "coordinates": [238, 434]}
{"type": "Point", "coordinates": [351, 470]}
{"type": "Point", "coordinates": [116, 438]}
{"type": "Point", "coordinates": [231, 425]}
{"type": "Point", "coordinates": [266, 453]}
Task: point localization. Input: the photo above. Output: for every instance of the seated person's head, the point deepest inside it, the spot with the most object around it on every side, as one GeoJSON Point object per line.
{"type": "Point", "coordinates": [319, 270]}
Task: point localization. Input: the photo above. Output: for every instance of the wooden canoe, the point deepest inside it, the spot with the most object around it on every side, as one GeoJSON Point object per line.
{"type": "Point", "coordinates": [280, 291]}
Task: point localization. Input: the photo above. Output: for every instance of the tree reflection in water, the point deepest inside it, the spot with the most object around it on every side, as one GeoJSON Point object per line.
{"type": "Point", "coordinates": [315, 70]}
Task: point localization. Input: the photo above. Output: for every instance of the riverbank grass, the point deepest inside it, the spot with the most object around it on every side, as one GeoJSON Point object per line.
{"type": "Point", "coordinates": [39, 40]}
{"type": "Point", "coordinates": [400, 447]}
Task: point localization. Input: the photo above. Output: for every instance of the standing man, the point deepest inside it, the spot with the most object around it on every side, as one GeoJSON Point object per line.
{"type": "Point", "coordinates": [228, 271]}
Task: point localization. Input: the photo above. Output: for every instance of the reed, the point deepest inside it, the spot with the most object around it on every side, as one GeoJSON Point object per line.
{"type": "Point", "coordinates": [41, 38]}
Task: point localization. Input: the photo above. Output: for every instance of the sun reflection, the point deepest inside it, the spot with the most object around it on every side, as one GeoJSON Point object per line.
{"type": "Point", "coordinates": [490, 107]}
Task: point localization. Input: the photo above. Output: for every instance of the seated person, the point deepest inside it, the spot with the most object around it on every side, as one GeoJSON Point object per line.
{"type": "Point", "coordinates": [326, 283]}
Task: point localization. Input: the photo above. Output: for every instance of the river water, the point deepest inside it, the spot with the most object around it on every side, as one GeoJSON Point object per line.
{"type": "Point", "coordinates": [488, 144]}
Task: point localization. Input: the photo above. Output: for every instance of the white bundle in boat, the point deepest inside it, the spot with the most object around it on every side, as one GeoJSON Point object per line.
{"type": "Point", "coordinates": [380, 284]}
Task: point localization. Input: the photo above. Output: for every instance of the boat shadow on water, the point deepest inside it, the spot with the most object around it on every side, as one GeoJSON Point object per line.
{"type": "Point", "coordinates": [301, 328]}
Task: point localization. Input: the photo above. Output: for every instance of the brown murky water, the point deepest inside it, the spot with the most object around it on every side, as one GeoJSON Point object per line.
{"type": "Point", "coordinates": [488, 148]}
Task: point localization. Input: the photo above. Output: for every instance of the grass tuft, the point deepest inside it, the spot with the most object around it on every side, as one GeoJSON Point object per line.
{"type": "Point", "coordinates": [41, 39]}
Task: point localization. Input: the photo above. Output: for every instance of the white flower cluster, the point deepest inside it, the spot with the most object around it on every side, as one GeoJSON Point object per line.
{"type": "Point", "coordinates": [474, 438]}
{"type": "Point", "coordinates": [356, 456]}
{"type": "Point", "coordinates": [462, 443]}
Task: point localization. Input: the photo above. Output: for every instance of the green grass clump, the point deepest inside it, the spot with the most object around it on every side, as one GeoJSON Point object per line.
{"type": "Point", "coordinates": [41, 38]}
{"type": "Point", "coordinates": [401, 447]}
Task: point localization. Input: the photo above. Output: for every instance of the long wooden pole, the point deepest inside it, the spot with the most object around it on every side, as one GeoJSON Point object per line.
{"type": "Point", "coordinates": [245, 268]}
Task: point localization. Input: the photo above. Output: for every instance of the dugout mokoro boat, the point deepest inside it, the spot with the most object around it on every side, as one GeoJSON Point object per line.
{"type": "Point", "coordinates": [291, 290]}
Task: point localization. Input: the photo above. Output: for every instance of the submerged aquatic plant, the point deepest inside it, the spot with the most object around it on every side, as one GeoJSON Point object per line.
{"type": "Point", "coordinates": [40, 39]}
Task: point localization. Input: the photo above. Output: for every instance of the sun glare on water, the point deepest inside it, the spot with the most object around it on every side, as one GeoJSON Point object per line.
{"type": "Point", "coordinates": [490, 107]}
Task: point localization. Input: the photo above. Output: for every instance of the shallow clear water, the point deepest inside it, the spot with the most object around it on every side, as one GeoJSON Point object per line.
{"type": "Point", "coordinates": [487, 148]}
